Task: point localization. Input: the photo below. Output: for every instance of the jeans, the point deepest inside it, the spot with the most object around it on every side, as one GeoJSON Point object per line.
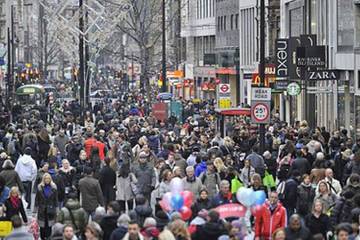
{"type": "Point", "coordinates": [27, 187]}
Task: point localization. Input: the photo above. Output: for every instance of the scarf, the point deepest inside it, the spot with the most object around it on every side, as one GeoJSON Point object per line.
{"type": "Point", "coordinates": [47, 190]}
{"type": "Point", "coordinates": [15, 201]}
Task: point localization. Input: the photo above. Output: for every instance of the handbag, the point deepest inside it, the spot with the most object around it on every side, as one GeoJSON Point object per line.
{"type": "Point", "coordinates": [5, 228]}
{"type": "Point", "coordinates": [236, 184]}
{"type": "Point", "coordinates": [268, 180]}
{"type": "Point", "coordinates": [133, 185]}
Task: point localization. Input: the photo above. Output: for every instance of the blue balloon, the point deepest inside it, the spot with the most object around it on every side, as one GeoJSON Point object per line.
{"type": "Point", "coordinates": [260, 197]}
{"type": "Point", "coordinates": [245, 196]}
{"type": "Point", "coordinates": [177, 202]}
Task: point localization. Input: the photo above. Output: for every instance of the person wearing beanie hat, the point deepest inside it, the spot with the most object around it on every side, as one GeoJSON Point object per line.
{"type": "Point", "coordinates": [11, 176]}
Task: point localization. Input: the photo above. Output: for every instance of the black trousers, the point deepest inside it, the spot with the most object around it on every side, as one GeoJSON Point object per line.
{"type": "Point", "coordinates": [27, 187]}
{"type": "Point", "coordinates": [130, 204]}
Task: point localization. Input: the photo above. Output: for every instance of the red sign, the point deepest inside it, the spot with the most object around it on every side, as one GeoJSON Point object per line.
{"type": "Point", "coordinates": [224, 88]}
{"type": "Point", "coordinates": [205, 86]}
{"type": "Point", "coordinates": [231, 210]}
{"type": "Point", "coordinates": [160, 111]}
{"type": "Point", "coordinates": [212, 86]}
{"type": "Point", "coordinates": [217, 80]}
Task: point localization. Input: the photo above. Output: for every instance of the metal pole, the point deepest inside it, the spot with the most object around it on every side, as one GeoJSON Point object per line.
{"type": "Point", "coordinates": [132, 69]}
{"type": "Point", "coordinates": [237, 85]}
{"type": "Point", "coordinates": [87, 72]}
{"type": "Point", "coordinates": [9, 84]}
{"type": "Point", "coordinates": [164, 87]}
{"type": "Point", "coordinates": [81, 60]}
{"type": "Point", "coordinates": [262, 67]}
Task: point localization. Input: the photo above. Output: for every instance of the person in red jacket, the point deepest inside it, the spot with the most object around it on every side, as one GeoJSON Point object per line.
{"type": "Point", "coordinates": [102, 148]}
{"type": "Point", "coordinates": [89, 143]}
{"type": "Point", "coordinates": [270, 216]}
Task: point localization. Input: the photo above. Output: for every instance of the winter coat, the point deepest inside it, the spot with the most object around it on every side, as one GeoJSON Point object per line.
{"type": "Point", "coordinates": [4, 195]}
{"type": "Point", "coordinates": [200, 168]}
{"type": "Point", "coordinates": [124, 191]}
{"type": "Point", "coordinates": [221, 199]}
{"type": "Point", "coordinates": [350, 168]}
{"type": "Point", "coordinates": [318, 225]}
{"type": "Point", "coordinates": [108, 224]}
{"type": "Point", "coordinates": [91, 193]}
{"type": "Point", "coordinates": [79, 214]}
{"type": "Point", "coordinates": [107, 180]}
{"type": "Point", "coordinates": [20, 234]}
{"type": "Point", "coordinates": [68, 177]}
{"type": "Point", "coordinates": [89, 144]}
{"type": "Point", "coordinates": [80, 166]}
{"type": "Point", "coordinates": [140, 213]}
{"type": "Point", "coordinates": [305, 197]}
{"type": "Point", "coordinates": [12, 179]}
{"type": "Point", "coordinates": [246, 174]}
{"type": "Point", "coordinates": [164, 188]}
{"type": "Point", "coordinates": [146, 178]}
{"type": "Point", "coordinates": [11, 210]}
{"type": "Point", "coordinates": [44, 147]}
{"type": "Point", "coordinates": [257, 162]}
{"type": "Point", "coordinates": [266, 222]}
{"type": "Point", "coordinates": [26, 168]}
{"type": "Point", "coordinates": [209, 231]}
{"type": "Point", "coordinates": [194, 185]}
{"type": "Point", "coordinates": [73, 151]}
{"type": "Point", "coordinates": [211, 181]}
{"type": "Point", "coordinates": [303, 233]}
{"type": "Point", "coordinates": [302, 165]}
{"type": "Point", "coordinates": [154, 143]}
{"type": "Point", "coordinates": [127, 237]}
{"type": "Point", "coordinates": [341, 212]}
{"type": "Point", "coordinates": [328, 200]}
{"type": "Point", "coordinates": [118, 233]}
{"type": "Point", "coordinates": [47, 207]}
{"type": "Point", "coordinates": [60, 143]}
{"type": "Point", "coordinates": [199, 205]}
{"type": "Point", "coordinates": [289, 200]}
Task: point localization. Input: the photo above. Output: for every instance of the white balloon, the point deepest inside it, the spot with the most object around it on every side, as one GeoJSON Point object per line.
{"type": "Point", "coordinates": [176, 185]}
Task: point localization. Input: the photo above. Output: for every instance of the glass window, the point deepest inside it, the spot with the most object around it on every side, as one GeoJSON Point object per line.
{"type": "Point", "coordinates": [232, 22]}
{"type": "Point", "coordinates": [237, 21]}
{"type": "Point", "coordinates": [345, 29]}
{"type": "Point", "coordinates": [296, 21]}
{"type": "Point", "coordinates": [224, 23]}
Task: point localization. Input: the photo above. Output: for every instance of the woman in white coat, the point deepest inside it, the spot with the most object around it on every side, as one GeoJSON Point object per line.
{"type": "Point", "coordinates": [125, 188]}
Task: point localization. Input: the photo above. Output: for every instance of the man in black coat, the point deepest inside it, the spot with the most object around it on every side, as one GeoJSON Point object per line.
{"type": "Point", "coordinates": [290, 192]}
{"type": "Point", "coordinates": [300, 164]}
{"type": "Point", "coordinates": [296, 230]}
{"type": "Point", "coordinates": [109, 223]}
{"type": "Point", "coordinates": [212, 229]}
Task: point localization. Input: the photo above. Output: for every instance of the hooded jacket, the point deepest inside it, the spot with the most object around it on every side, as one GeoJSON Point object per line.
{"type": "Point", "coordinates": [79, 214]}
{"type": "Point", "coordinates": [26, 168]}
{"type": "Point", "coordinates": [266, 222]}
{"type": "Point", "coordinates": [11, 176]}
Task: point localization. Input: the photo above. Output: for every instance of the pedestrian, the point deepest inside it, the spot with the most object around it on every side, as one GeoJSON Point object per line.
{"type": "Point", "coordinates": [67, 173]}
{"type": "Point", "coordinates": [69, 233]}
{"type": "Point", "coordinates": [141, 211]}
{"type": "Point", "coordinates": [11, 176]}
{"type": "Point", "coordinates": [73, 214]}
{"type": "Point", "coordinates": [93, 231]}
{"type": "Point", "coordinates": [296, 230]}
{"type": "Point", "coordinates": [305, 196]}
{"type": "Point", "coordinates": [246, 173]}
{"type": "Point", "coordinates": [212, 229]}
{"type": "Point", "coordinates": [27, 170]}
{"type": "Point", "coordinates": [133, 232]}
{"type": "Point", "coordinates": [326, 196]}
{"type": "Point", "coordinates": [14, 205]}
{"type": "Point", "coordinates": [122, 227]}
{"type": "Point", "coordinates": [46, 204]}
{"type": "Point", "coordinates": [107, 180]}
{"type": "Point", "coordinates": [109, 222]}
{"type": "Point", "coordinates": [270, 212]}
{"type": "Point", "coordinates": [191, 182]}
{"type": "Point", "coordinates": [19, 231]}
{"type": "Point", "coordinates": [224, 196]}
{"type": "Point", "coordinates": [318, 222]}
{"type": "Point", "coordinates": [210, 179]}
{"type": "Point", "coordinates": [165, 183]}
{"type": "Point", "coordinates": [90, 191]}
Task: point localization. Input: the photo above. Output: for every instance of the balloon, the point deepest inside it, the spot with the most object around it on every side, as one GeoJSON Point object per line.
{"type": "Point", "coordinates": [188, 198]}
{"type": "Point", "coordinates": [176, 185]}
{"type": "Point", "coordinates": [185, 213]}
{"type": "Point", "coordinates": [255, 210]}
{"type": "Point", "coordinates": [167, 198]}
{"type": "Point", "coordinates": [245, 196]}
{"type": "Point", "coordinates": [165, 206]}
{"type": "Point", "coordinates": [177, 201]}
{"type": "Point", "coordinates": [260, 197]}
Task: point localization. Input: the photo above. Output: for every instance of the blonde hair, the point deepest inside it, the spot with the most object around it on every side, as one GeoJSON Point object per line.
{"type": "Point", "coordinates": [43, 180]}
{"type": "Point", "coordinates": [219, 164]}
{"type": "Point", "coordinates": [322, 206]}
{"type": "Point", "coordinates": [179, 229]}
{"type": "Point", "coordinates": [15, 189]}
{"type": "Point", "coordinates": [166, 235]}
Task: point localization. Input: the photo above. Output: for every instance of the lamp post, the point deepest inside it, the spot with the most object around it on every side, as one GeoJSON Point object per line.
{"type": "Point", "coordinates": [164, 87]}
{"type": "Point", "coordinates": [262, 67]}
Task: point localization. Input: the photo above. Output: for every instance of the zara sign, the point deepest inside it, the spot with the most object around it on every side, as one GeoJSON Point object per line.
{"type": "Point", "coordinates": [323, 75]}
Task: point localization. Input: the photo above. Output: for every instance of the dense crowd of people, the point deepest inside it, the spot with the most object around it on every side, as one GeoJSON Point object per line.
{"type": "Point", "coordinates": [106, 176]}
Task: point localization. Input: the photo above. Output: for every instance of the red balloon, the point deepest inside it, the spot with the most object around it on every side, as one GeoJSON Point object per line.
{"type": "Point", "coordinates": [185, 213]}
{"type": "Point", "coordinates": [188, 198]}
{"type": "Point", "coordinates": [165, 206]}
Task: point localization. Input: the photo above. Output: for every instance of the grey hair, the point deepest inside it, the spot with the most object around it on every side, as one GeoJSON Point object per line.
{"type": "Point", "coordinates": [224, 183]}
{"type": "Point", "coordinates": [123, 220]}
{"type": "Point", "coordinates": [150, 222]}
{"type": "Point", "coordinates": [189, 168]}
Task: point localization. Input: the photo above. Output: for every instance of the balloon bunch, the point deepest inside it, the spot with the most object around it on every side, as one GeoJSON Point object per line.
{"type": "Point", "coordinates": [250, 198]}
{"type": "Point", "coordinates": [177, 200]}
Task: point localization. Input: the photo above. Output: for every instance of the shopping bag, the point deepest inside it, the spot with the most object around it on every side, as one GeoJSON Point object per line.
{"type": "Point", "coordinates": [268, 180]}
{"type": "Point", "coordinates": [236, 184]}
{"type": "Point", "coordinates": [5, 228]}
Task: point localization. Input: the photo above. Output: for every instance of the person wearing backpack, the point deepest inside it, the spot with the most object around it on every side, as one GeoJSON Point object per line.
{"type": "Point", "coordinates": [210, 179]}
{"type": "Point", "coordinates": [290, 193]}
{"type": "Point", "coordinates": [73, 214]}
